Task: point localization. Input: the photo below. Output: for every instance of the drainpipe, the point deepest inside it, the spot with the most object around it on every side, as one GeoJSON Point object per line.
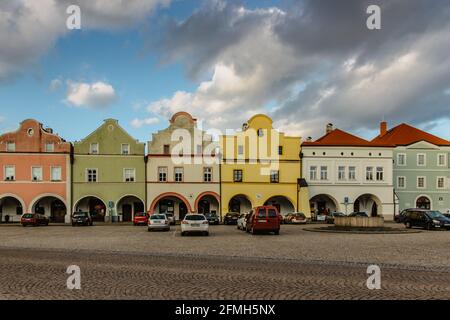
{"type": "Point", "coordinates": [220, 185]}
{"type": "Point", "coordinates": [72, 161]}
{"type": "Point", "coordinates": [145, 181]}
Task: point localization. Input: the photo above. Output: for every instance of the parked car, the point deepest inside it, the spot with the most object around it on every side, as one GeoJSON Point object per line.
{"type": "Point", "coordinates": [264, 218]}
{"type": "Point", "coordinates": [447, 214]}
{"type": "Point", "coordinates": [400, 218]}
{"type": "Point", "coordinates": [332, 215]}
{"type": "Point", "coordinates": [242, 221]}
{"type": "Point", "coordinates": [212, 218]}
{"type": "Point", "coordinates": [140, 218]}
{"type": "Point", "coordinates": [82, 218]}
{"type": "Point", "coordinates": [171, 218]}
{"type": "Point", "coordinates": [295, 218]}
{"type": "Point", "coordinates": [34, 219]}
{"type": "Point", "coordinates": [427, 219]}
{"type": "Point", "coordinates": [158, 221]}
{"type": "Point", "coordinates": [194, 223]}
{"type": "Point", "coordinates": [358, 214]}
{"type": "Point", "coordinates": [231, 218]}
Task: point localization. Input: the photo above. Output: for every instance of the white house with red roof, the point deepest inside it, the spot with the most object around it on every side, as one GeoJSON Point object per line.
{"type": "Point", "coordinates": [346, 173]}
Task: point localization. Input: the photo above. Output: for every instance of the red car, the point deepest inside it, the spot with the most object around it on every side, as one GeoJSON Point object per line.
{"type": "Point", "coordinates": [264, 219]}
{"type": "Point", "coordinates": [34, 219]}
{"type": "Point", "coordinates": [140, 218]}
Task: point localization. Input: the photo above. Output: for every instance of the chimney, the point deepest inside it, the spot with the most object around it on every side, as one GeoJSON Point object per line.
{"type": "Point", "coordinates": [309, 139]}
{"type": "Point", "coordinates": [383, 128]}
{"type": "Point", "coordinates": [329, 128]}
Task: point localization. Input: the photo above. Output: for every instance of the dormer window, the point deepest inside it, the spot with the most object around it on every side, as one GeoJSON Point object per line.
{"type": "Point", "coordinates": [260, 132]}
{"type": "Point", "coordinates": [125, 149]}
{"type": "Point", "coordinates": [49, 147]}
{"type": "Point", "coordinates": [10, 146]}
{"type": "Point", "coordinates": [166, 149]}
{"type": "Point", "coordinates": [94, 148]}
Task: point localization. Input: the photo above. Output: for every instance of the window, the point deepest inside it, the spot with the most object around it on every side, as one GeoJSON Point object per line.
{"type": "Point", "coordinates": [94, 148]}
{"type": "Point", "coordinates": [341, 173]}
{"type": "Point", "coordinates": [125, 148]}
{"type": "Point", "coordinates": [199, 149]}
{"type": "Point", "coordinates": [260, 132]}
{"type": "Point", "coordinates": [240, 150]}
{"type": "Point", "coordinates": [55, 174]}
{"type": "Point", "coordinates": [274, 176]}
{"type": "Point", "coordinates": [10, 173]}
{"type": "Point", "coordinates": [441, 182]}
{"type": "Point", "coordinates": [207, 174]}
{"type": "Point", "coordinates": [36, 173]}
{"type": "Point", "coordinates": [421, 159]}
{"type": "Point", "coordinates": [91, 175]}
{"type": "Point", "coordinates": [369, 173]}
{"type": "Point", "coordinates": [280, 150]}
{"type": "Point", "coordinates": [401, 159]}
{"type": "Point", "coordinates": [323, 173]}
{"type": "Point", "coordinates": [129, 175]}
{"type": "Point", "coordinates": [401, 182]}
{"type": "Point", "coordinates": [178, 174]}
{"type": "Point", "coordinates": [313, 173]}
{"type": "Point", "coordinates": [380, 174]}
{"type": "Point", "coordinates": [352, 173]}
{"type": "Point", "coordinates": [442, 161]}
{"type": "Point", "coordinates": [162, 174]}
{"type": "Point", "coordinates": [421, 183]}
{"type": "Point", "coordinates": [237, 175]}
{"type": "Point", "coordinates": [166, 149]}
{"type": "Point", "coordinates": [49, 147]}
{"type": "Point", "coordinates": [10, 146]}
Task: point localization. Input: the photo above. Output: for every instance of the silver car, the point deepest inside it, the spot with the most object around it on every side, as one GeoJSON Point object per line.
{"type": "Point", "coordinates": [158, 221]}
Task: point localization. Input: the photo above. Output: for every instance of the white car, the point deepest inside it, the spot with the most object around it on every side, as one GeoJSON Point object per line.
{"type": "Point", "coordinates": [242, 221]}
{"type": "Point", "coordinates": [158, 221]}
{"type": "Point", "coordinates": [195, 223]}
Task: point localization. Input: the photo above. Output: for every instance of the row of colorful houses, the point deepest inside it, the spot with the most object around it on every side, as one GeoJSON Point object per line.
{"type": "Point", "coordinates": [185, 169]}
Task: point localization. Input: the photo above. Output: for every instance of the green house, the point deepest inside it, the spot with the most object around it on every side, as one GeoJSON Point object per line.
{"type": "Point", "coordinates": [109, 174]}
{"type": "Point", "coordinates": [421, 168]}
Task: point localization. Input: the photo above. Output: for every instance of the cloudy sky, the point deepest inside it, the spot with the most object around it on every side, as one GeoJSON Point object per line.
{"type": "Point", "coordinates": [305, 63]}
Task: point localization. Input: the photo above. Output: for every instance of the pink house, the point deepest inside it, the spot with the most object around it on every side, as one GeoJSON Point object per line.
{"type": "Point", "coordinates": [35, 173]}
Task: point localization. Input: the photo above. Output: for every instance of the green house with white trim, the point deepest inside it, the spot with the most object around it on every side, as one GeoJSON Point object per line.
{"type": "Point", "coordinates": [108, 169]}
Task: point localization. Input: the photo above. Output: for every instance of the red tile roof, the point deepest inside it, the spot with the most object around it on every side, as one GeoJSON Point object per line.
{"type": "Point", "coordinates": [405, 134]}
{"type": "Point", "coordinates": [338, 138]}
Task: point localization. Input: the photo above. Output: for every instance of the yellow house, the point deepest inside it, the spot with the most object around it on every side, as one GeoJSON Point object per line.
{"type": "Point", "coordinates": [261, 166]}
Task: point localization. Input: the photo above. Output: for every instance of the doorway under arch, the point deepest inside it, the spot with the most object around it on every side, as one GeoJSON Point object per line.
{"type": "Point", "coordinates": [239, 203]}
{"type": "Point", "coordinates": [94, 205]}
{"type": "Point", "coordinates": [51, 206]}
{"type": "Point", "coordinates": [282, 203]}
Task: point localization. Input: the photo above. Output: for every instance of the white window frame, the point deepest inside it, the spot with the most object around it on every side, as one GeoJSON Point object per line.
{"type": "Point", "coordinates": [404, 159]}
{"type": "Point", "coordinates": [424, 182]}
{"type": "Point", "coordinates": [424, 159]}
{"type": "Point", "coordinates": [125, 175]}
{"type": "Point", "coordinates": [51, 173]}
{"type": "Point", "coordinates": [96, 175]}
{"type": "Point", "coordinates": [47, 144]}
{"type": "Point", "coordinates": [122, 149]}
{"type": "Point", "coordinates": [444, 180]}
{"type": "Point", "coordinates": [98, 148]}
{"type": "Point", "coordinates": [323, 171]}
{"type": "Point", "coordinates": [313, 178]}
{"type": "Point", "coordinates": [404, 182]}
{"type": "Point", "coordinates": [4, 172]}
{"type": "Point", "coordinates": [378, 172]}
{"type": "Point", "coordinates": [350, 177]}
{"type": "Point", "coordinates": [164, 170]}
{"type": "Point", "coordinates": [369, 173]}
{"type": "Point", "coordinates": [343, 172]}
{"type": "Point", "coordinates": [445, 159]}
{"type": "Point", "coordinates": [207, 171]}
{"type": "Point", "coordinates": [175, 174]}
{"type": "Point", "coordinates": [42, 173]}
{"type": "Point", "coordinates": [10, 143]}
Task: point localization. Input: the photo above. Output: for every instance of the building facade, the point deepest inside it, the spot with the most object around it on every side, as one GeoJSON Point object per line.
{"type": "Point", "coordinates": [260, 165]}
{"type": "Point", "coordinates": [109, 174]}
{"type": "Point", "coordinates": [346, 173]}
{"type": "Point", "coordinates": [183, 169]}
{"type": "Point", "coordinates": [421, 167]}
{"type": "Point", "coordinates": [35, 173]}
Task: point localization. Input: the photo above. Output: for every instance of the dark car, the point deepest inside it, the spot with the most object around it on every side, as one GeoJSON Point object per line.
{"type": "Point", "coordinates": [400, 218]}
{"type": "Point", "coordinates": [332, 215]}
{"type": "Point", "coordinates": [212, 218]}
{"type": "Point", "coordinates": [231, 218]}
{"type": "Point", "coordinates": [358, 214]}
{"type": "Point", "coordinates": [82, 218]}
{"type": "Point", "coordinates": [447, 215]}
{"type": "Point", "coordinates": [427, 219]}
{"type": "Point", "coordinates": [34, 219]}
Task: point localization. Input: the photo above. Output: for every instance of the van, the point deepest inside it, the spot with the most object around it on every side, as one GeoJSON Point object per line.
{"type": "Point", "coordinates": [263, 219]}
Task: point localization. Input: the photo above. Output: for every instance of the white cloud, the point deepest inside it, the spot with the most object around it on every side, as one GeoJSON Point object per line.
{"type": "Point", "coordinates": [137, 122]}
{"type": "Point", "coordinates": [94, 95]}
